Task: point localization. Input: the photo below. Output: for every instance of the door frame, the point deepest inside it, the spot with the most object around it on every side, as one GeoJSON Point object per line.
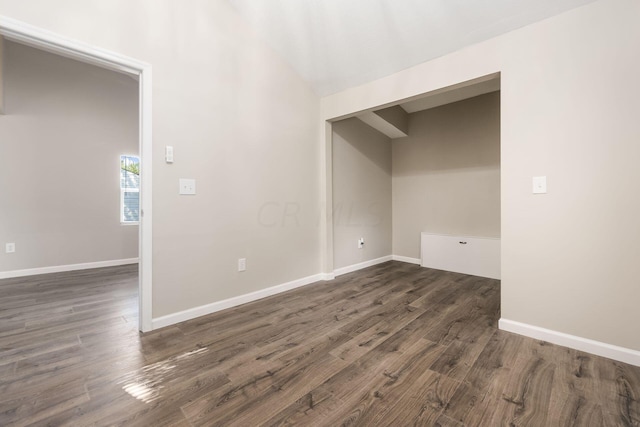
{"type": "Point", "coordinates": [21, 32]}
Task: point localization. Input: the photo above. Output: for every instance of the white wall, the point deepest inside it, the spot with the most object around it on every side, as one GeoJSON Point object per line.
{"type": "Point", "coordinates": [242, 124]}
{"type": "Point", "coordinates": [570, 101]}
{"type": "Point", "coordinates": [361, 192]}
{"type": "Point", "coordinates": [446, 173]}
{"type": "Point", "coordinates": [66, 125]}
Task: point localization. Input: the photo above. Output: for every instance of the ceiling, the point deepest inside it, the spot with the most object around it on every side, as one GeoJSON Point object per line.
{"type": "Point", "coordinates": [337, 44]}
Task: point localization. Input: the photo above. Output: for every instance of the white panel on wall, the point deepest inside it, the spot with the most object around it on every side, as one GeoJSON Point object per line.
{"type": "Point", "coordinates": [478, 256]}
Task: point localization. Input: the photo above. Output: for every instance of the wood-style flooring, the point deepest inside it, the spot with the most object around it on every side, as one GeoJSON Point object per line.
{"type": "Point", "coordinates": [391, 345]}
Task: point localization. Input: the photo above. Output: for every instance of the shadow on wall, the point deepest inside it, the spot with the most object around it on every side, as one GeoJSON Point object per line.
{"type": "Point", "coordinates": [357, 134]}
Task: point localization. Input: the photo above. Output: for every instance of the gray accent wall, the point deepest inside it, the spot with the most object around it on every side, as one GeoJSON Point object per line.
{"type": "Point", "coordinates": [446, 173]}
{"type": "Point", "coordinates": [361, 193]}
{"type": "Point", "coordinates": [65, 127]}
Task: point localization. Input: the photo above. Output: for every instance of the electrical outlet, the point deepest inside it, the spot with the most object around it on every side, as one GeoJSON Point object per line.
{"type": "Point", "coordinates": [10, 248]}
{"type": "Point", "coordinates": [242, 264]}
{"type": "Point", "coordinates": [361, 243]}
{"type": "Point", "coordinates": [539, 184]}
{"type": "Point", "coordinates": [187, 186]}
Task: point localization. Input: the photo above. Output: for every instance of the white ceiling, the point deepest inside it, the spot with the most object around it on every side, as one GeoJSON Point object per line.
{"type": "Point", "coordinates": [337, 44]}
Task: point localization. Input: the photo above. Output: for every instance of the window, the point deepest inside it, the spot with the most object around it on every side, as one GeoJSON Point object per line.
{"type": "Point", "coordinates": [129, 189]}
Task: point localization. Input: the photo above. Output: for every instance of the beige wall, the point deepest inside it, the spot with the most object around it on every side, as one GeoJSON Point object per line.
{"type": "Point", "coordinates": [570, 101]}
{"type": "Point", "coordinates": [361, 192]}
{"type": "Point", "coordinates": [446, 173]}
{"type": "Point", "coordinates": [1, 75]}
{"type": "Point", "coordinates": [241, 122]}
{"type": "Point", "coordinates": [66, 125]}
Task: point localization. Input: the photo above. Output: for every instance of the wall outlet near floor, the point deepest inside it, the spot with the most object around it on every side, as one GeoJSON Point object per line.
{"type": "Point", "coordinates": [242, 264]}
{"type": "Point", "coordinates": [361, 243]}
{"type": "Point", "coordinates": [10, 248]}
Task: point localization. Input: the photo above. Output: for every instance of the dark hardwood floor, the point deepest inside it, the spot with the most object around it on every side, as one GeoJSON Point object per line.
{"type": "Point", "coordinates": [391, 345]}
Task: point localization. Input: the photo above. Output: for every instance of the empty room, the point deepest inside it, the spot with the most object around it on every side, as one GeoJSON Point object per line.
{"type": "Point", "coordinates": [362, 212]}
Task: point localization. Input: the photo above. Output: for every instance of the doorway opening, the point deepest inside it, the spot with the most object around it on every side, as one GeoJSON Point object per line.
{"type": "Point", "coordinates": [23, 34]}
{"type": "Point", "coordinates": [398, 172]}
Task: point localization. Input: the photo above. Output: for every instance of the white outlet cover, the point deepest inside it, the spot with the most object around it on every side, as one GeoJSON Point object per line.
{"type": "Point", "coordinates": [539, 184]}
{"type": "Point", "coordinates": [187, 186]}
{"type": "Point", "coordinates": [10, 248]}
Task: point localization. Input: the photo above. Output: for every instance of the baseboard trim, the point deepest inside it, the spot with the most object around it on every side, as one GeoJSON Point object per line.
{"type": "Point", "coordinates": [355, 267]}
{"type": "Point", "coordinates": [203, 310]}
{"type": "Point", "coordinates": [63, 268]}
{"type": "Point", "coordinates": [406, 259]}
{"type": "Point", "coordinates": [598, 348]}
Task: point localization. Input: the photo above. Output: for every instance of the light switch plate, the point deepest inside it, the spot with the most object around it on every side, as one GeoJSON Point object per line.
{"type": "Point", "coordinates": [187, 186]}
{"type": "Point", "coordinates": [168, 154]}
{"type": "Point", "coordinates": [539, 184]}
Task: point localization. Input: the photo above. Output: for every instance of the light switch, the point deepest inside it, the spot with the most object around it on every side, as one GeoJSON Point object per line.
{"type": "Point", "coordinates": [187, 186]}
{"type": "Point", "coordinates": [168, 154]}
{"type": "Point", "coordinates": [539, 184]}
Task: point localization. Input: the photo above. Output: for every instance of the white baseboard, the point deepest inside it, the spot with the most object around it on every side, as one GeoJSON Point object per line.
{"type": "Point", "coordinates": [365, 264]}
{"type": "Point", "coordinates": [203, 310]}
{"type": "Point", "coordinates": [69, 267]}
{"type": "Point", "coordinates": [361, 265]}
{"type": "Point", "coordinates": [406, 259]}
{"type": "Point", "coordinates": [598, 348]}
